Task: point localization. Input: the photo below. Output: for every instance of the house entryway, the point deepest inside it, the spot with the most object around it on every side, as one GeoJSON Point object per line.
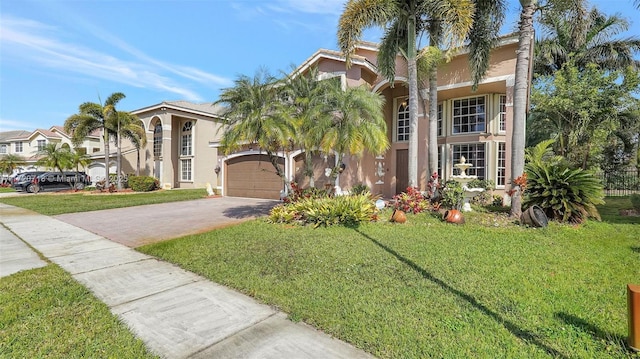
{"type": "Point", "coordinates": [402, 170]}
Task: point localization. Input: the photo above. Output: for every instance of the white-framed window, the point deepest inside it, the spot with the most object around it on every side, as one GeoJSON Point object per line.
{"type": "Point", "coordinates": [41, 145]}
{"type": "Point", "coordinates": [186, 139]}
{"type": "Point", "coordinates": [3, 148]}
{"type": "Point", "coordinates": [469, 115]}
{"type": "Point", "coordinates": [440, 116]}
{"type": "Point", "coordinates": [157, 140]}
{"type": "Point", "coordinates": [18, 147]}
{"type": "Point", "coordinates": [402, 121]}
{"type": "Point", "coordinates": [501, 175]}
{"type": "Point", "coordinates": [474, 153]}
{"type": "Point", "coordinates": [185, 169]}
{"type": "Point", "coordinates": [502, 113]}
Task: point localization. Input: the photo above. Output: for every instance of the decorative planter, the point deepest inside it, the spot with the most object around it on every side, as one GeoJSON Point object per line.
{"type": "Point", "coordinates": [398, 216]}
{"type": "Point", "coordinates": [534, 216]}
{"type": "Point", "coordinates": [453, 216]}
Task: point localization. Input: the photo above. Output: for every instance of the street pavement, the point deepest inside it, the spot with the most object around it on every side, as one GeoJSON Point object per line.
{"type": "Point", "coordinates": [178, 314]}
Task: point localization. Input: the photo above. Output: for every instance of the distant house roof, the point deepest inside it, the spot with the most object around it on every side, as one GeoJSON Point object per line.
{"type": "Point", "coordinates": [206, 109]}
{"type": "Point", "coordinates": [6, 136]}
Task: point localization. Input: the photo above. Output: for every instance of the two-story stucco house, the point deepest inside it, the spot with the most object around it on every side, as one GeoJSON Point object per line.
{"type": "Point", "coordinates": [28, 144]}
{"type": "Point", "coordinates": [183, 138]}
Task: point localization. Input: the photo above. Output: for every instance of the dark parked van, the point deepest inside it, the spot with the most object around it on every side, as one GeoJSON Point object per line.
{"type": "Point", "coordinates": [57, 180]}
{"type": "Point", "coordinates": [22, 180]}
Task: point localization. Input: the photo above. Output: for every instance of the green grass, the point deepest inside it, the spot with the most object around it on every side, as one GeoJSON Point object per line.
{"type": "Point", "coordinates": [7, 190]}
{"type": "Point", "coordinates": [486, 289]}
{"type": "Point", "coordinates": [52, 204]}
{"type": "Point", "coordinates": [44, 313]}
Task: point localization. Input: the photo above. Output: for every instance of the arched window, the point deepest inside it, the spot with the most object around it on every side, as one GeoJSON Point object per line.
{"type": "Point", "coordinates": [402, 124]}
{"type": "Point", "coordinates": [186, 151]}
{"type": "Point", "coordinates": [186, 139]}
{"type": "Point", "coordinates": [157, 140]}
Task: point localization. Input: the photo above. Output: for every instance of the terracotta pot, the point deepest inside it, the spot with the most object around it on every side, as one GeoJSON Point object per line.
{"type": "Point", "coordinates": [534, 216]}
{"type": "Point", "coordinates": [398, 216]}
{"type": "Point", "coordinates": [453, 216]}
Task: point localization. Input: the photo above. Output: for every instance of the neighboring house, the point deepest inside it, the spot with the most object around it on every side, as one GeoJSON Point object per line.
{"type": "Point", "coordinates": [178, 152]}
{"type": "Point", "coordinates": [27, 144]}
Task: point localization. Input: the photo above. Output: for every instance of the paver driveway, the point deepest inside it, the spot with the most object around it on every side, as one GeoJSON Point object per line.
{"type": "Point", "coordinates": [140, 225]}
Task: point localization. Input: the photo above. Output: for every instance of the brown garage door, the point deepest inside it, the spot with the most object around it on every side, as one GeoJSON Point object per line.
{"type": "Point", "coordinates": [253, 176]}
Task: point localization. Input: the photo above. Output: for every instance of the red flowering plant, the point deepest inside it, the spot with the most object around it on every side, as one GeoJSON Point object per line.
{"type": "Point", "coordinates": [297, 193]}
{"type": "Point", "coordinates": [411, 201]}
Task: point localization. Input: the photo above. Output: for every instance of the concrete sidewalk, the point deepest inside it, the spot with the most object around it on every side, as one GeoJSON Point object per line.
{"type": "Point", "coordinates": [175, 312]}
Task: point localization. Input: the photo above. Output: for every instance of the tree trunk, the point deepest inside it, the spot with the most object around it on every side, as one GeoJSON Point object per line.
{"type": "Point", "coordinates": [106, 157]}
{"type": "Point", "coordinates": [433, 121]}
{"type": "Point", "coordinates": [413, 102]}
{"type": "Point", "coordinates": [520, 102]}
{"type": "Point", "coordinates": [118, 170]}
{"type": "Point", "coordinates": [274, 161]}
{"type": "Point", "coordinates": [137, 162]}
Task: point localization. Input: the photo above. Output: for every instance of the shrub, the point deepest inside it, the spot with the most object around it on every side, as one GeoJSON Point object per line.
{"type": "Point", "coordinates": [143, 183]}
{"type": "Point", "coordinates": [452, 195]}
{"type": "Point", "coordinates": [360, 189]}
{"type": "Point", "coordinates": [484, 197]}
{"type": "Point", "coordinates": [635, 201]}
{"type": "Point", "coordinates": [325, 211]}
{"type": "Point", "coordinates": [564, 193]}
{"type": "Point", "coordinates": [297, 193]}
{"type": "Point", "coordinates": [411, 201]}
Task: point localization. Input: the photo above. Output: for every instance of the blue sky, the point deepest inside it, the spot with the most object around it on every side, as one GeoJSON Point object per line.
{"type": "Point", "coordinates": [55, 55]}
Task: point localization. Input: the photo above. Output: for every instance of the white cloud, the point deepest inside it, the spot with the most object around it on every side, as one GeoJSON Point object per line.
{"type": "Point", "coordinates": [12, 125]}
{"type": "Point", "coordinates": [36, 42]}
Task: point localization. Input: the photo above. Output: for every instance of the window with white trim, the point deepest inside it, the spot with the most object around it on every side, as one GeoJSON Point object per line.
{"type": "Point", "coordinates": [185, 140]}
{"type": "Point", "coordinates": [3, 148]}
{"type": "Point", "coordinates": [402, 122]}
{"type": "Point", "coordinates": [469, 115]}
{"type": "Point", "coordinates": [440, 107]}
{"type": "Point", "coordinates": [502, 113]}
{"type": "Point", "coordinates": [18, 146]}
{"type": "Point", "coordinates": [501, 176]}
{"type": "Point", "coordinates": [157, 140]}
{"type": "Point", "coordinates": [474, 153]}
{"type": "Point", "coordinates": [185, 169]}
{"type": "Point", "coordinates": [41, 145]}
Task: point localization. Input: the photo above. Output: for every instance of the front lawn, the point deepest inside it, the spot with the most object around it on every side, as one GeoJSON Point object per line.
{"type": "Point", "coordinates": [485, 289]}
{"type": "Point", "coordinates": [44, 313]}
{"type": "Point", "coordinates": [51, 203]}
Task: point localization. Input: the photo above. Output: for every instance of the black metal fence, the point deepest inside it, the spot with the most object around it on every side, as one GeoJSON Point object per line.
{"type": "Point", "coordinates": [620, 183]}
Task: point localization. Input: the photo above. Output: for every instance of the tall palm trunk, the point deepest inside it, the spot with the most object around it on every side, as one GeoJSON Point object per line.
{"type": "Point", "coordinates": [106, 157]}
{"type": "Point", "coordinates": [520, 100]}
{"type": "Point", "coordinates": [433, 121]}
{"type": "Point", "coordinates": [412, 69]}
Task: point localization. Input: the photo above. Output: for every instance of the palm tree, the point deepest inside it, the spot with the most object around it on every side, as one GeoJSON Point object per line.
{"type": "Point", "coordinates": [134, 131]}
{"type": "Point", "coordinates": [584, 37]}
{"type": "Point", "coordinates": [520, 101]}
{"type": "Point", "coordinates": [77, 159]}
{"type": "Point", "coordinates": [55, 156]}
{"type": "Point", "coordinates": [356, 124]}
{"type": "Point", "coordinates": [446, 22]}
{"type": "Point", "coordinates": [254, 115]}
{"type": "Point", "coordinates": [130, 127]}
{"type": "Point", "coordinates": [487, 20]}
{"type": "Point", "coordinates": [9, 163]}
{"type": "Point", "coordinates": [308, 97]}
{"type": "Point", "coordinates": [94, 116]}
